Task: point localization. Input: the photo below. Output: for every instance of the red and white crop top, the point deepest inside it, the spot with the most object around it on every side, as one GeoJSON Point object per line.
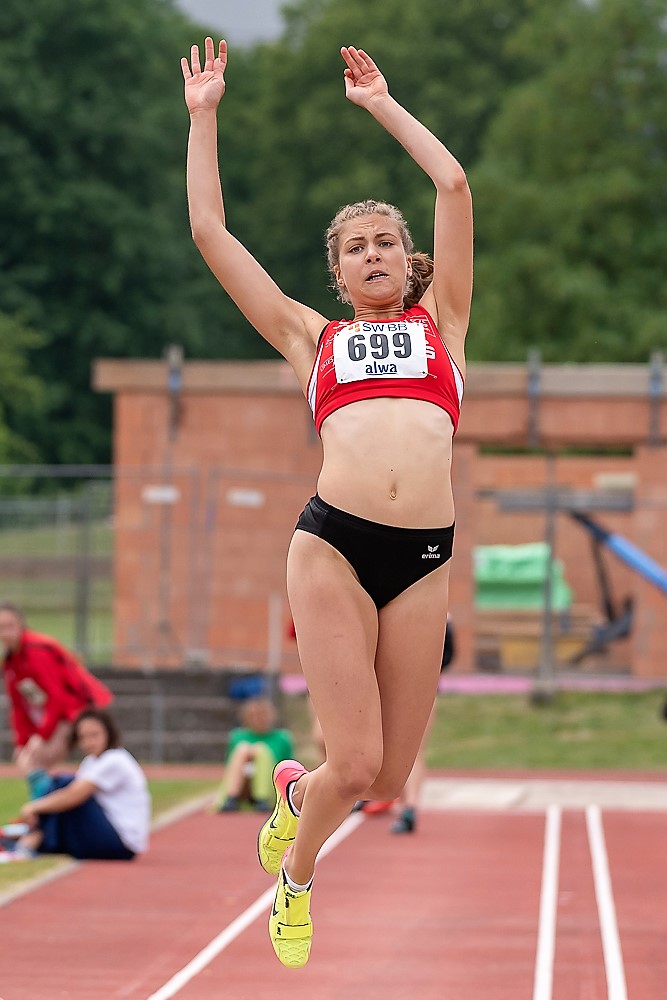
{"type": "Point", "coordinates": [363, 359]}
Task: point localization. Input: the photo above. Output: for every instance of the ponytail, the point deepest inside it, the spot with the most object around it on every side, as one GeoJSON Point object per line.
{"type": "Point", "coordinates": [419, 280]}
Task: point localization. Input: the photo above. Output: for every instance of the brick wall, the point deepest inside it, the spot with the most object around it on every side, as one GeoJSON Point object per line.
{"type": "Point", "coordinates": [201, 578]}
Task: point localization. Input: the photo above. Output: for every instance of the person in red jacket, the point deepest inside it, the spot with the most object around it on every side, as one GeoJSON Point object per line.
{"type": "Point", "coordinates": [47, 688]}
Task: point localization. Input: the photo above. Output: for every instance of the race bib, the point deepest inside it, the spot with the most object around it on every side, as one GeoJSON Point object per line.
{"type": "Point", "coordinates": [391, 349]}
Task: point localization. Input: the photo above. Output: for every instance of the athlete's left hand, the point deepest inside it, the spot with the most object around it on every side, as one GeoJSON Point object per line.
{"type": "Point", "coordinates": [363, 80]}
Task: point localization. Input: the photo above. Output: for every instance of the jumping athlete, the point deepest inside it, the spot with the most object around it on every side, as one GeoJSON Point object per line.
{"type": "Point", "coordinates": [368, 564]}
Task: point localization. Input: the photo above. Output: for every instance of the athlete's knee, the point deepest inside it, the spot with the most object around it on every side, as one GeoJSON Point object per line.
{"type": "Point", "coordinates": [387, 786]}
{"type": "Point", "coordinates": [353, 776]}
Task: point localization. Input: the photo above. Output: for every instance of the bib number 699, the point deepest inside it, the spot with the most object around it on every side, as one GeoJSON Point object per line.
{"type": "Point", "coordinates": [379, 346]}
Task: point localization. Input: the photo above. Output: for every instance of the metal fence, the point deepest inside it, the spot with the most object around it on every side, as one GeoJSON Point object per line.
{"type": "Point", "coordinates": [201, 549]}
{"type": "Point", "coordinates": [138, 566]}
{"type": "Point", "coordinates": [56, 543]}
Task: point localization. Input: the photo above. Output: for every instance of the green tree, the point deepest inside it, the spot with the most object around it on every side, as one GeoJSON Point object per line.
{"type": "Point", "coordinates": [571, 190]}
{"type": "Point", "coordinates": [294, 150]}
{"type": "Point", "coordinates": [23, 397]}
{"type": "Point", "coordinates": [555, 108]}
{"type": "Point", "coordinates": [95, 246]}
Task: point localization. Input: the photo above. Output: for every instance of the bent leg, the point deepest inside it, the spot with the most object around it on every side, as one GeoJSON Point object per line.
{"type": "Point", "coordinates": [86, 833]}
{"type": "Point", "coordinates": [409, 655]}
{"type": "Point", "coordinates": [261, 783]}
{"type": "Point", "coordinates": [336, 627]}
{"type": "Point", "coordinates": [40, 754]}
{"type": "Point", "coordinates": [412, 788]}
{"type": "Point", "coordinates": [234, 781]}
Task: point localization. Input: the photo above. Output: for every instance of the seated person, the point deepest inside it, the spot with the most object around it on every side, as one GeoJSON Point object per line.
{"type": "Point", "coordinates": [103, 811]}
{"type": "Point", "coordinates": [254, 750]}
{"type": "Point", "coordinates": [47, 687]}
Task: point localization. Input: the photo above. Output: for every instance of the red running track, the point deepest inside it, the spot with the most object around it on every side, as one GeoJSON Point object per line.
{"type": "Point", "coordinates": [499, 905]}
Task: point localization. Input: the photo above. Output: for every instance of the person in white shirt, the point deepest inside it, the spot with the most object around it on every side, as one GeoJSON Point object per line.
{"type": "Point", "coordinates": [103, 811]}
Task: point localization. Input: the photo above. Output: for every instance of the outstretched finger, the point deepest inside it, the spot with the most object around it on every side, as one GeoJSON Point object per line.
{"type": "Point", "coordinates": [222, 53]}
{"type": "Point", "coordinates": [356, 59]}
{"type": "Point", "coordinates": [209, 54]}
{"type": "Point", "coordinates": [185, 66]}
{"type": "Point", "coordinates": [348, 55]}
{"type": "Point", "coordinates": [367, 62]}
{"type": "Point", "coordinates": [194, 60]}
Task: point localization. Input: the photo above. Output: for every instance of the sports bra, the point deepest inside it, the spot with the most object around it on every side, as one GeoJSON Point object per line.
{"type": "Point", "coordinates": [364, 359]}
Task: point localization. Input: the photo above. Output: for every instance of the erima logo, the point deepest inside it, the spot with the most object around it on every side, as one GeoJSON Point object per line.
{"type": "Point", "coordinates": [432, 552]}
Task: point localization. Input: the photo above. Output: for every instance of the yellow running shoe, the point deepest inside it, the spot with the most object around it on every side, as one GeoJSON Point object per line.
{"type": "Point", "coordinates": [279, 831]}
{"type": "Point", "coordinates": [290, 926]}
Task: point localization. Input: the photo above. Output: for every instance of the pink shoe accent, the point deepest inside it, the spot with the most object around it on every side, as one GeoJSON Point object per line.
{"type": "Point", "coordinates": [285, 772]}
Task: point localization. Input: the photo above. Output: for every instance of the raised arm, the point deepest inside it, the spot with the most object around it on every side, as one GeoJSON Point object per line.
{"type": "Point", "coordinates": [289, 326]}
{"type": "Point", "coordinates": [450, 294]}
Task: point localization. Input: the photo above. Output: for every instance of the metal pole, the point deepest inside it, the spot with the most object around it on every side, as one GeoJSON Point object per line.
{"type": "Point", "coordinates": [544, 684]}
{"type": "Point", "coordinates": [83, 580]}
{"type": "Point", "coordinates": [533, 389]}
{"type": "Point", "coordinates": [275, 629]}
{"type": "Point", "coordinates": [158, 718]}
{"type": "Point", "coordinates": [656, 392]}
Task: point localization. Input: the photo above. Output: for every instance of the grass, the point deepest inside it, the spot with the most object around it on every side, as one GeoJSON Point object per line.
{"type": "Point", "coordinates": [49, 605]}
{"type": "Point", "coordinates": [57, 540]}
{"type": "Point", "coordinates": [576, 730]}
{"type": "Point", "coordinates": [49, 602]}
{"type": "Point", "coordinates": [165, 795]}
{"type": "Point", "coordinates": [61, 625]}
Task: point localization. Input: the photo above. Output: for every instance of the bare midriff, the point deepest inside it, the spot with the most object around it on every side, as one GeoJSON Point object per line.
{"type": "Point", "coordinates": [389, 460]}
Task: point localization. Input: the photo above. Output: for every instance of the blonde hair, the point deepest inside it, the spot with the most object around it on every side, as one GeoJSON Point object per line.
{"type": "Point", "coordinates": [422, 265]}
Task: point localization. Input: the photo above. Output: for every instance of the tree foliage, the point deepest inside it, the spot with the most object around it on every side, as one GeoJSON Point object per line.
{"type": "Point", "coordinates": [23, 396]}
{"type": "Point", "coordinates": [95, 247]}
{"type": "Point", "coordinates": [556, 108]}
{"type": "Point", "coordinates": [308, 150]}
{"type": "Point", "coordinates": [571, 190]}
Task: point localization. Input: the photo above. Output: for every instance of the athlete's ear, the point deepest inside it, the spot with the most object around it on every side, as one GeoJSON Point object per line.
{"type": "Point", "coordinates": [409, 260]}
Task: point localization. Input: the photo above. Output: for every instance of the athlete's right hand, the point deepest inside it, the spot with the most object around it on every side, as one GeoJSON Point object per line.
{"type": "Point", "coordinates": [204, 87]}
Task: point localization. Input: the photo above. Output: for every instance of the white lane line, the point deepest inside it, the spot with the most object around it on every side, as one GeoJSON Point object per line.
{"type": "Point", "coordinates": [611, 944]}
{"type": "Point", "coordinates": [546, 938]}
{"type": "Point", "coordinates": [243, 921]}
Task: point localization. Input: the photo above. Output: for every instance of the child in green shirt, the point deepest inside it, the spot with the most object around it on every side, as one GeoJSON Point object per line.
{"type": "Point", "coordinates": [254, 750]}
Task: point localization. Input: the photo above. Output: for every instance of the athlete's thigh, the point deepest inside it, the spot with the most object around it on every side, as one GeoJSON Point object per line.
{"type": "Point", "coordinates": [409, 655]}
{"type": "Point", "coordinates": [336, 628]}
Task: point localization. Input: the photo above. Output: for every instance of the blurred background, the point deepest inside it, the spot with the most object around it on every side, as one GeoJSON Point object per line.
{"type": "Point", "coordinates": [155, 452]}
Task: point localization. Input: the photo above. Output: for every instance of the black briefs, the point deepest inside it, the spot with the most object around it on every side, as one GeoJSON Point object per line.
{"type": "Point", "coordinates": [386, 559]}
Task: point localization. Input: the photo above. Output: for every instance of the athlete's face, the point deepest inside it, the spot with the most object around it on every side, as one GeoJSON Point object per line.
{"type": "Point", "coordinates": [11, 629]}
{"type": "Point", "coordinates": [373, 266]}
